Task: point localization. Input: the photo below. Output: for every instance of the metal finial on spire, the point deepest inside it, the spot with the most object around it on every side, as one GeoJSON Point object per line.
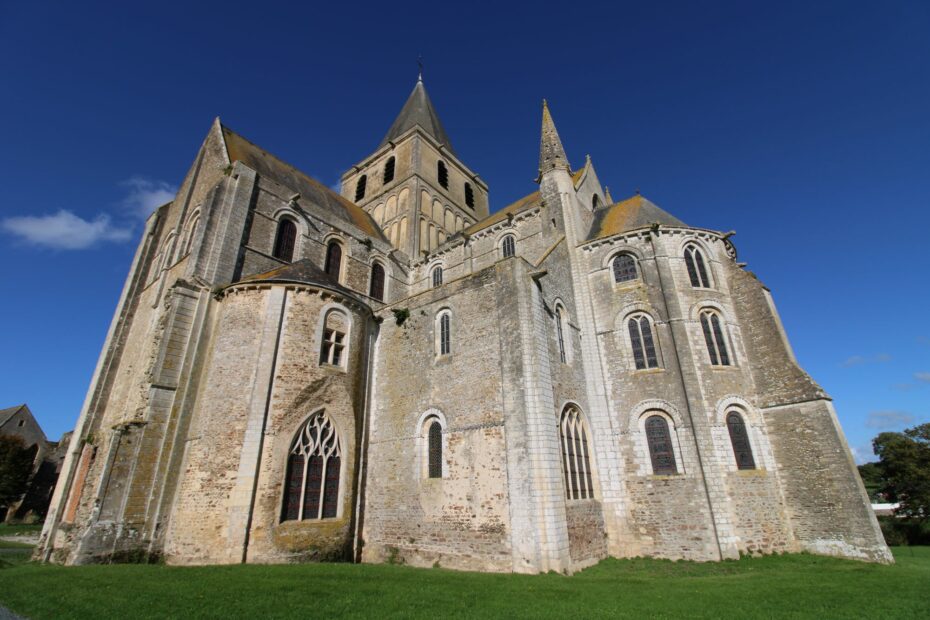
{"type": "Point", "coordinates": [420, 65]}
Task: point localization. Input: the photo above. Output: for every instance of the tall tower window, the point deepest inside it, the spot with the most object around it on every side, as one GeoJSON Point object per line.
{"type": "Point", "coordinates": [508, 246]}
{"type": "Point", "coordinates": [360, 187]}
{"type": "Point", "coordinates": [469, 196]}
{"type": "Point", "coordinates": [740, 440]}
{"type": "Point", "coordinates": [313, 472]}
{"type": "Point", "coordinates": [333, 264]}
{"type": "Point", "coordinates": [377, 282]}
{"type": "Point", "coordinates": [576, 463]}
{"type": "Point", "coordinates": [435, 449]}
{"type": "Point", "coordinates": [713, 337]}
{"type": "Point", "coordinates": [560, 325]}
{"type": "Point", "coordinates": [442, 174]}
{"type": "Point", "coordinates": [644, 349]}
{"type": "Point", "coordinates": [284, 240]}
{"type": "Point", "coordinates": [444, 328]}
{"type": "Point", "coordinates": [697, 270]}
{"type": "Point", "coordinates": [437, 276]}
{"type": "Point", "coordinates": [660, 446]}
{"type": "Point", "coordinates": [389, 170]}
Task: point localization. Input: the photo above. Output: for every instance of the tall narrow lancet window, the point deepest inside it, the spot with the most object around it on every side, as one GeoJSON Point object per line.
{"type": "Point", "coordinates": [360, 187]}
{"type": "Point", "coordinates": [595, 202]}
{"type": "Point", "coordinates": [697, 269]}
{"type": "Point", "coordinates": [388, 170]}
{"type": "Point", "coordinates": [644, 348]}
{"type": "Point", "coordinates": [313, 472]}
{"type": "Point", "coordinates": [508, 246]}
{"type": "Point", "coordinates": [437, 276]}
{"type": "Point", "coordinates": [469, 196]}
{"type": "Point", "coordinates": [442, 174]}
{"type": "Point", "coordinates": [740, 440]}
{"type": "Point", "coordinates": [434, 449]}
{"type": "Point", "coordinates": [624, 268]}
{"type": "Point", "coordinates": [560, 332]}
{"type": "Point", "coordinates": [332, 349]}
{"type": "Point", "coordinates": [284, 240]}
{"type": "Point", "coordinates": [333, 266]}
{"type": "Point", "coordinates": [576, 463]}
{"type": "Point", "coordinates": [713, 337]}
{"type": "Point", "coordinates": [444, 335]}
{"type": "Point", "coordinates": [377, 282]}
{"type": "Point", "coordinates": [661, 451]}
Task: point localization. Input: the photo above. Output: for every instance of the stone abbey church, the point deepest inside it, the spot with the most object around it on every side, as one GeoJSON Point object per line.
{"type": "Point", "coordinates": [393, 373]}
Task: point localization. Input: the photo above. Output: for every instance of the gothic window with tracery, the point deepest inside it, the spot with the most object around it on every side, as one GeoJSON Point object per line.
{"type": "Point", "coordinates": [389, 170]}
{"type": "Point", "coordinates": [442, 174]}
{"type": "Point", "coordinates": [624, 268]}
{"type": "Point", "coordinates": [313, 472]}
{"type": "Point", "coordinates": [739, 438]}
{"type": "Point", "coordinates": [333, 266]}
{"type": "Point", "coordinates": [335, 328]}
{"type": "Point", "coordinates": [661, 451]}
{"type": "Point", "coordinates": [697, 269]}
{"type": "Point", "coordinates": [360, 187]}
{"type": "Point", "coordinates": [713, 337]}
{"type": "Point", "coordinates": [285, 240]}
{"type": "Point", "coordinates": [576, 463]}
{"type": "Point", "coordinates": [644, 348]}
{"type": "Point", "coordinates": [508, 246]}
{"type": "Point", "coordinates": [376, 290]}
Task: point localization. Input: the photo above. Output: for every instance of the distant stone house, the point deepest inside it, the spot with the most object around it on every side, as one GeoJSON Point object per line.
{"type": "Point", "coordinates": [394, 373]}
{"type": "Point", "coordinates": [48, 456]}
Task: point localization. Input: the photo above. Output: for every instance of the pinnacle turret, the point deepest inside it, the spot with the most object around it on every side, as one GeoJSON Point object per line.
{"type": "Point", "coordinates": [551, 154]}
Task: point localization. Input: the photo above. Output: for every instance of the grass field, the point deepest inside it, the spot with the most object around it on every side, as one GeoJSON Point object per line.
{"type": "Point", "coordinates": [797, 586]}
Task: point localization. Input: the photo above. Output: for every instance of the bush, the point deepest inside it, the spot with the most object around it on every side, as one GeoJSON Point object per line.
{"type": "Point", "coordinates": [900, 532]}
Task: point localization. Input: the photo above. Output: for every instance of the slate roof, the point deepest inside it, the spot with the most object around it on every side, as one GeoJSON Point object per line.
{"type": "Point", "coordinates": [418, 111]}
{"type": "Point", "coordinates": [311, 190]}
{"type": "Point", "coordinates": [6, 414]}
{"type": "Point", "coordinates": [304, 271]}
{"type": "Point", "coordinates": [634, 212]}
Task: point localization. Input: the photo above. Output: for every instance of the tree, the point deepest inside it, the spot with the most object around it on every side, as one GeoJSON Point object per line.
{"type": "Point", "coordinates": [904, 461]}
{"type": "Point", "coordinates": [15, 468]}
{"type": "Point", "coordinates": [871, 474]}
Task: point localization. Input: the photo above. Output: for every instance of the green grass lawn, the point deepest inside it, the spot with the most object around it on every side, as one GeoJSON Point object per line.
{"type": "Point", "coordinates": [20, 529]}
{"type": "Point", "coordinates": [783, 586]}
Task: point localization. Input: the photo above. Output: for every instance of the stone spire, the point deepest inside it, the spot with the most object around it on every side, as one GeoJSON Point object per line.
{"type": "Point", "coordinates": [418, 111]}
{"type": "Point", "coordinates": [551, 154]}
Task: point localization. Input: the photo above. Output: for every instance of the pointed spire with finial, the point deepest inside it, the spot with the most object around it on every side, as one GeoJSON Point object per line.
{"type": "Point", "coordinates": [551, 154]}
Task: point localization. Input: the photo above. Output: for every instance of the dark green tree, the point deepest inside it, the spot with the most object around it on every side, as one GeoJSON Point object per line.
{"type": "Point", "coordinates": [15, 468]}
{"type": "Point", "coordinates": [904, 462]}
{"type": "Point", "coordinates": [871, 474]}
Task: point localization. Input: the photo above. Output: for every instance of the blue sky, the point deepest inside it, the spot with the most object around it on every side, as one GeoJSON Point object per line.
{"type": "Point", "coordinates": [804, 126]}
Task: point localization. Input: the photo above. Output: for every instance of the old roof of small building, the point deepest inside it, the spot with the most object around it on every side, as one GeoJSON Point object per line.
{"type": "Point", "coordinates": [311, 190]}
{"type": "Point", "coordinates": [9, 412]}
{"type": "Point", "coordinates": [630, 214]}
{"type": "Point", "coordinates": [418, 111]}
{"type": "Point", "coordinates": [303, 271]}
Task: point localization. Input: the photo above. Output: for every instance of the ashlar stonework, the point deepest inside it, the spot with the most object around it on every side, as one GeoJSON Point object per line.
{"type": "Point", "coordinates": [395, 374]}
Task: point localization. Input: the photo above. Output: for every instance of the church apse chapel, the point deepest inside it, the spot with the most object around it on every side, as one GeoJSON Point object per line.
{"type": "Point", "coordinates": [393, 373]}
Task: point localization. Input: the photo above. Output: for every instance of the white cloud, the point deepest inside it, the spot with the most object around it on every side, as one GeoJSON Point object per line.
{"type": "Point", "coordinates": [888, 419]}
{"type": "Point", "coordinates": [922, 376]}
{"type": "Point", "coordinates": [859, 360]}
{"type": "Point", "coordinates": [146, 195]}
{"type": "Point", "coordinates": [65, 230]}
{"type": "Point", "coordinates": [863, 454]}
